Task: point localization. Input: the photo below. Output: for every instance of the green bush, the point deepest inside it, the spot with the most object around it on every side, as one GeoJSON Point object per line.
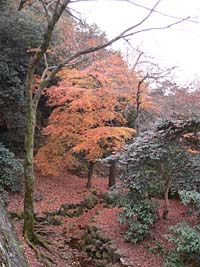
{"type": "Point", "coordinates": [139, 213]}
{"type": "Point", "coordinates": [157, 248]}
{"type": "Point", "coordinates": [118, 198]}
{"type": "Point", "coordinates": [10, 171]}
{"type": "Point", "coordinates": [193, 197]}
{"type": "Point", "coordinates": [186, 239]}
{"type": "Point", "coordinates": [186, 250]}
{"type": "Point", "coordinates": [173, 259]}
{"type": "Point", "coordinates": [140, 217]}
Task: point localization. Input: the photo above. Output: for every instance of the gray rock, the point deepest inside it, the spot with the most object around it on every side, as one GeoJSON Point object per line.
{"type": "Point", "coordinates": [11, 252]}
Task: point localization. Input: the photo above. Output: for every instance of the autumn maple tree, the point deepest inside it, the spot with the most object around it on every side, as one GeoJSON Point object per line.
{"type": "Point", "coordinates": [87, 109]}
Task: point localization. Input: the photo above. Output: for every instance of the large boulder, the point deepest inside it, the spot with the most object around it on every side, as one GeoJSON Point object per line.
{"type": "Point", "coordinates": [11, 252]}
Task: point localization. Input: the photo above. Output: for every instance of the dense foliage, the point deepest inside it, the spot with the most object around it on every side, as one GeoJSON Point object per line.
{"type": "Point", "coordinates": [160, 159]}
{"type": "Point", "coordinates": [139, 213]}
{"type": "Point", "coordinates": [186, 239]}
{"type": "Point", "coordinates": [19, 32]}
{"type": "Point", "coordinates": [10, 171]}
{"type": "Point", "coordinates": [193, 198]}
{"type": "Point", "coordinates": [139, 217]}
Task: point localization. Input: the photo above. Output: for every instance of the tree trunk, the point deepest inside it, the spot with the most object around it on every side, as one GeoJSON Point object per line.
{"type": "Point", "coordinates": [166, 194]}
{"type": "Point", "coordinates": [90, 174]}
{"type": "Point", "coordinates": [138, 114]}
{"type": "Point", "coordinates": [28, 160]}
{"type": "Point", "coordinates": [138, 103]}
{"type": "Point", "coordinates": [166, 208]}
{"type": "Point", "coordinates": [112, 175]}
{"type": "Point", "coordinates": [11, 254]}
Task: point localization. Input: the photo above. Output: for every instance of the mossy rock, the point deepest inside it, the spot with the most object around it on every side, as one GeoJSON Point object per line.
{"type": "Point", "coordinates": [73, 205]}
{"type": "Point", "coordinates": [101, 263]}
{"type": "Point", "coordinates": [62, 212]}
{"type": "Point", "coordinates": [92, 228]}
{"type": "Point", "coordinates": [78, 212]}
{"type": "Point", "coordinates": [90, 202]}
{"type": "Point", "coordinates": [107, 256]}
{"type": "Point", "coordinates": [116, 256]}
{"type": "Point", "coordinates": [41, 218]}
{"type": "Point", "coordinates": [16, 215]}
{"type": "Point", "coordinates": [103, 238]}
{"type": "Point", "coordinates": [94, 192]}
{"type": "Point", "coordinates": [95, 235]}
{"type": "Point", "coordinates": [90, 248]}
{"type": "Point", "coordinates": [98, 255]}
{"type": "Point", "coordinates": [110, 198]}
{"type": "Point", "coordinates": [98, 243]}
{"type": "Point", "coordinates": [65, 206]}
{"type": "Point", "coordinates": [98, 246]}
{"type": "Point", "coordinates": [51, 220]}
{"type": "Point", "coordinates": [88, 240]}
{"type": "Point", "coordinates": [70, 214]}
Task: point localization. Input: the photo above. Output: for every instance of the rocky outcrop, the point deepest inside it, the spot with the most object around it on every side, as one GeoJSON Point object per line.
{"type": "Point", "coordinates": [99, 247]}
{"type": "Point", "coordinates": [11, 252]}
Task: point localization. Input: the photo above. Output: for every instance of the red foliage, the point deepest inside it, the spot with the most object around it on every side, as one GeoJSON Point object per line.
{"type": "Point", "coordinates": [90, 110]}
{"type": "Point", "coordinates": [81, 107]}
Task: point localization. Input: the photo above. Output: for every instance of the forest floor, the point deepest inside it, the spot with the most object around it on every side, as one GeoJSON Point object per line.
{"type": "Point", "coordinates": [53, 192]}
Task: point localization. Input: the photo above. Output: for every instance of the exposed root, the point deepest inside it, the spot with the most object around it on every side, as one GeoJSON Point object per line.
{"type": "Point", "coordinates": [41, 231]}
{"type": "Point", "coordinates": [43, 243]}
{"type": "Point", "coordinates": [45, 259]}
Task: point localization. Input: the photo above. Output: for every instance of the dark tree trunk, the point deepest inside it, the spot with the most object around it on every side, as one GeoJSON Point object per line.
{"type": "Point", "coordinates": [31, 107]}
{"type": "Point", "coordinates": [112, 174]}
{"type": "Point", "coordinates": [28, 160]}
{"type": "Point", "coordinates": [10, 250]}
{"type": "Point", "coordinates": [90, 174]}
{"type": "Point", "coordinates": [138, 103]}
{"type": "Point", "coordinates": [166, 208]}
{"type": "Point", "coordinates": [166, 193]}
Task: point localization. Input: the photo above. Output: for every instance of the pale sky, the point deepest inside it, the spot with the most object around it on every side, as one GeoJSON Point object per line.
{"type": "Point", "coordinates": [177, 46]}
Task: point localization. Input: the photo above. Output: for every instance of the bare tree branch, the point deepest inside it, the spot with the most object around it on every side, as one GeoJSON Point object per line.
{"type": "Point", "coordinates": [72, 60]}
{"type": "Point", "coordinates": [159, 12]}
{"type": "Point", "coordinates": [96, 48]}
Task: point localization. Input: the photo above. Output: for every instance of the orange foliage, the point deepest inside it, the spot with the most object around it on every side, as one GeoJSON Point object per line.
{"type": "Point", "coordinates": [88, 118]}
{"type": "Point", "coordinates": [192, 150]}
{"type": "Point", "coordinates": [101, 141]}
{"type": "Point", "coordinates": [80, 112]}
{"type": "Point", "coordinates": [113, 72]}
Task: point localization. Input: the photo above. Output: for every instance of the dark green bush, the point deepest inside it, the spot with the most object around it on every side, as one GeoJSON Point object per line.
{"type": "Point", "coordinates": [140, 217]}
{"type": "Point", "coordinates": [119, 199]}
{"type": "Point", "coordinates": [157, 248]}
{"type": "Point", "coordinates": [186, 250]}
{"type": "Point", "coordinates": [192, 197]}
{"type": "Point", "coordinates": [173, 259]}
{"type": "Point", "coordinates": [126, 194]}
{"type": "Point", "coordinates": [186, 239]}
{"type": "Point", "coordinates": [139, 213]}
{"type": "Point", "coordinates": [10, 171]}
